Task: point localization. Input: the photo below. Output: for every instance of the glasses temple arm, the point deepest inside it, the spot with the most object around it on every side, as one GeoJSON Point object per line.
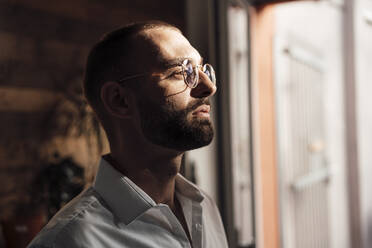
{"type": "Point", "coordinates": [123, 79]}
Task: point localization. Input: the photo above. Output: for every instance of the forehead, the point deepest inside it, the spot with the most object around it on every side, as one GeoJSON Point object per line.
{"type": "Point", "coordinates": [172, 45]}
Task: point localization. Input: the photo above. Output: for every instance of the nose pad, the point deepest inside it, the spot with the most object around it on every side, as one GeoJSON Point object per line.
{"type": "Point", "coordinates": [205, 87]}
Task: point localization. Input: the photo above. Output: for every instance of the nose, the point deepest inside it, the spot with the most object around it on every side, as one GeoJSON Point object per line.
{"type": "Point", "coordinates": [205, 87]}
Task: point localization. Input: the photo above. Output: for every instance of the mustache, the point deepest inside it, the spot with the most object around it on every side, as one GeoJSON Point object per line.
{"type": "Point", "coordinates": [197, 103]}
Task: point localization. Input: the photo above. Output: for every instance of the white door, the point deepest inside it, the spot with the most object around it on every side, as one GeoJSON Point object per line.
{"type": "Point", "coordinates": [303, 170]}
{"type": "Point", "coordinates": [308, 64]}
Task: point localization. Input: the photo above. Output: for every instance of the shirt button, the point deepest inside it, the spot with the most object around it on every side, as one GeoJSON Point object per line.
{"type": "Point", "coordinates": [198, 227]}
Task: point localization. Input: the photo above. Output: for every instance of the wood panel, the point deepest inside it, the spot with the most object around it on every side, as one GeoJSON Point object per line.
{"type": "Point", "coordinates": [42, 25]}
{"type": "Point", "coordinates": [14, 99]}
{"type": "Point", "coordinates": [40, 74]}
{"type": "Point", "coordinates": [114, 13]}
{"type": "Point", "coordinates": [262, 27]}
{"type": "Point", "coordinates": [43, 49]}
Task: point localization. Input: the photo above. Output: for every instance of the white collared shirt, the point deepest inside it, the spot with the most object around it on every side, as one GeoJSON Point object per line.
{"type": "Point", "coordinates": [115, 213]}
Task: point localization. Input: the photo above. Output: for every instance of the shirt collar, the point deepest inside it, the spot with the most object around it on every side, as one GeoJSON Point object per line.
{"type": "Point", "coordinates": [126, 199]}
{"type": "Point", "coordinates": [188, 189]}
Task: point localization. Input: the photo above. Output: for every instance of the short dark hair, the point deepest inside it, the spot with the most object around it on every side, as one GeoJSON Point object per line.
{"type": "Point", "coordinates": [105, 60]}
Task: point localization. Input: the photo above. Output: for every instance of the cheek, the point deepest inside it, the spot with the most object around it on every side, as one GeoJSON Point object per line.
{"type": "Point", "coordinates": [179, 102]}
{"type": "Point", "coordinates": [172, 93]}
{"type": "Point", "coordinates": [173, 87]}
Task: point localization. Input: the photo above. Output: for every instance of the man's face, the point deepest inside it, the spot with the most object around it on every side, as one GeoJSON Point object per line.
{"type": "Point", "coordinates": [172, 115]}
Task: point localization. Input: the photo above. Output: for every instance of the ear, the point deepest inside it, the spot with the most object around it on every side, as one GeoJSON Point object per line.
{"type": "Point", "coordinates": [116, 100]}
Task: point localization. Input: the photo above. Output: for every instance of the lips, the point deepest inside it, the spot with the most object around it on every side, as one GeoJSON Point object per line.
{"type": "Point", "coordinates": [202, 110]}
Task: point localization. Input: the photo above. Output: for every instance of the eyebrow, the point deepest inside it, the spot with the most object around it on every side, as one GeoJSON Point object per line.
{"type": "Point", "coordinates": [177, 62]}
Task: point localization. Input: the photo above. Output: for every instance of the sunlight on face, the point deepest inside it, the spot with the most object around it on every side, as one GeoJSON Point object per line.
{"type": "Point", "coordinates": [166, 108]}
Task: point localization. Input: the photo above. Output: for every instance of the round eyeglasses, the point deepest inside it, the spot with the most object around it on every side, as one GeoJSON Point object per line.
{"type": "Point", "coordinates": [190, 73]}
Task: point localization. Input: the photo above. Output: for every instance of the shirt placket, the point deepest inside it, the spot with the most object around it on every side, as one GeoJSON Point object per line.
{"type": "Point", "coordinates": [197, 225]}
{"type": "Point", "coordinates": [176, 227]}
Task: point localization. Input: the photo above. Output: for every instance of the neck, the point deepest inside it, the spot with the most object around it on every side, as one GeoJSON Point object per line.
{"type": "Point", "coordinates": [154, 174]}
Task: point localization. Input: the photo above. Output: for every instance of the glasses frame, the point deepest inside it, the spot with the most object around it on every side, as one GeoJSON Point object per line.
{"type": "Point", "coordinates": [183, 65]}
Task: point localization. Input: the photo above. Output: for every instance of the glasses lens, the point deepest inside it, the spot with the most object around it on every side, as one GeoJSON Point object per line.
{"type": "Point", "coordinates": [209, 71]}
{"type": "Point", "coordinates": [191, 75]}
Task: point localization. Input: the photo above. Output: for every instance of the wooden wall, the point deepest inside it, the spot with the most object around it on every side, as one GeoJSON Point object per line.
{"type": "Point", "coordinates": [43, 48]}
{"type": "Point", "coordinates": [267, 199]}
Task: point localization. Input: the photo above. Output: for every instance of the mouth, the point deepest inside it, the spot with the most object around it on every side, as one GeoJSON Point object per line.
{"type": "Point", "coordinates": [202, 111]}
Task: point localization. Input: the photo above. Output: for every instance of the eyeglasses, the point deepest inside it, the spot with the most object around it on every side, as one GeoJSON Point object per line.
{"type": "Point", "coordinates": [190, 73]}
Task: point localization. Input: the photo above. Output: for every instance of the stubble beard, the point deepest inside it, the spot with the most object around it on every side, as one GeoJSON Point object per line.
{"type": "Point", "coordinates": [175, 129]}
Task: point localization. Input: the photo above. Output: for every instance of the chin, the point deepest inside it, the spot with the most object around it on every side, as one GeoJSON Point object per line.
{"type": "Point", "coordinates": [175, 130]}
{"type": "Point", "coordinates": [183, 139]}
{"type": "Point", "coordinates": [200, 137]}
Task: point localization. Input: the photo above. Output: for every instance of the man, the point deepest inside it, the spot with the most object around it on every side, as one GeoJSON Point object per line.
{"type": "Point", "coordinates": [150, 90]}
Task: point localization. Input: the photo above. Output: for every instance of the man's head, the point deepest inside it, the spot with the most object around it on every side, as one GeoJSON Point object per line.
{"type": "Point", "coordinates": [135, 82]}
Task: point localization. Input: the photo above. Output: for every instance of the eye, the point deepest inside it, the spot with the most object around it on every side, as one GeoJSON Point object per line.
{"type": "Point", "coordinates": [176, 73]}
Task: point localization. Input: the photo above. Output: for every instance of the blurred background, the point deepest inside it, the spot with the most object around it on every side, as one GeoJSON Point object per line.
{"type": "Point", "coordinates": [291, 162]}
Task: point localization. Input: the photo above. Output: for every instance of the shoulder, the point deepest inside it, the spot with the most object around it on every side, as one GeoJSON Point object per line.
{"type": "Point", "coordinates": [73, 220]}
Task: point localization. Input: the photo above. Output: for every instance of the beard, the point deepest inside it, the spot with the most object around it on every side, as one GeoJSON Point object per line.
{"type": "Point", "coordinates": [175, 129]}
